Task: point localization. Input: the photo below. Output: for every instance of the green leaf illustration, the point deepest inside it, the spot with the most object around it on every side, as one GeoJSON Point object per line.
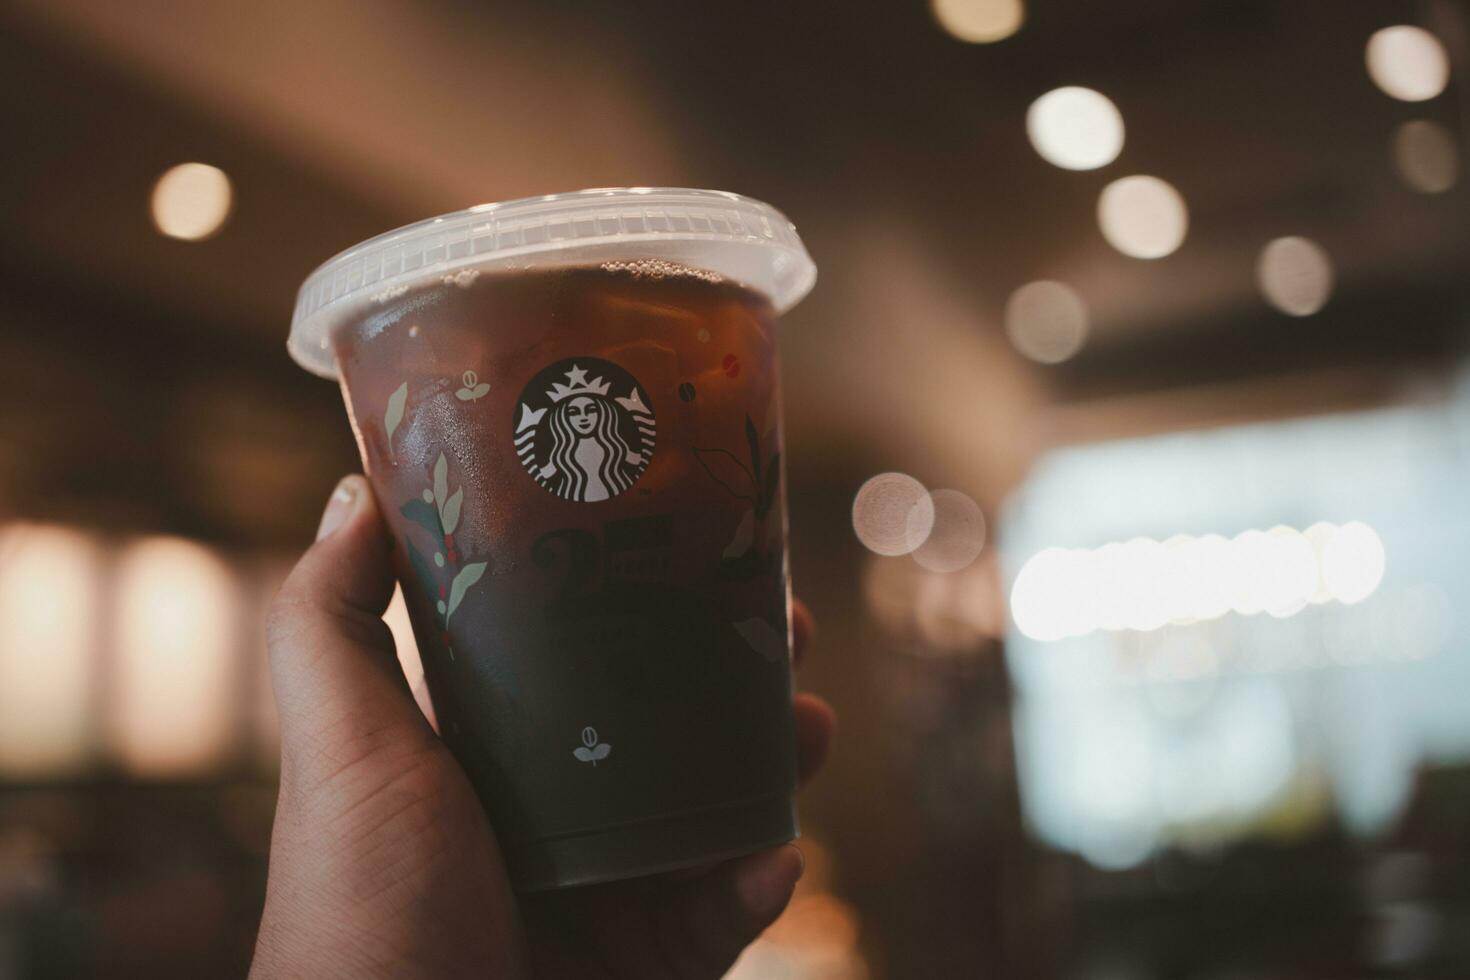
{"type": "Point", "coordinates": [422, 571]}
{"type": "Point", "coordinates": [728, 472]}
{"type": "Point", "coordinates": [394, 414]}
{"type": "Point", "coordinates": [762, 637]}
{"type": "Point", "coordinates": [467, 577]}
{"type": "Point", "coordinates": [451, 510]}
{"type": "Point", "coordinates": [422, 513]}
{"type": "Point", "coordinates": [773, 479]}
{"type": "Point", "coordinates": [441, 480]}
{"type": "Point", "coordinates": [755, 449]}
{"type": "Point", "coordinates": [744, 534]}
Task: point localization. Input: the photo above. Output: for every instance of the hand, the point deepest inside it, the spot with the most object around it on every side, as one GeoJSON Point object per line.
{"type": "Point", "coordinates": [383, 862]}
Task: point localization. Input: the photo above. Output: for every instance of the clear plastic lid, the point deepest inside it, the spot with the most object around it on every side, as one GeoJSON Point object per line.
{"type": "Point", "coordinates": [741, 239]}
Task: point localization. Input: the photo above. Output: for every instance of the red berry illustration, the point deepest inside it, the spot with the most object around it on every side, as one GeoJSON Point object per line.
{"type": "Point", "coordinates": [731, 364]}
{"type": "Point", "coordinates": [449, 541]}
{"type": "Point", "coordinates": [441, 592]}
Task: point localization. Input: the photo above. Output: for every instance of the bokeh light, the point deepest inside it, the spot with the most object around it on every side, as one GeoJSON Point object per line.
{"type": "Point", "coordinates": [1075, 128]}
{"type": "Point", "coordinates": [1046, 321]}
{"type": "Point", "coordinates": [1408, 63]}
{"type": "Point", "coordinates": [48, 619]}
{"type": "Point", "coordinates": [1143, 217]}
{"type": "Point", "coordinates": [957, 534]}
{"type": "Point", "coordinates": [1425, 156]}
{"type": "Point", "coordinates": [980, 21]}
{"type": "Point", "coordinates": [177, 638]}
{"type": "Point", "coordinates": [1353, 562]}
{"type": "Point", "coordinates": [1142, 585]}
{"type": "Point", "coordinates": [191, 201]}
{"type": "Point", "coordinates": [1295, 275]}
{"type": "Point", "coordinates": [892, 514]}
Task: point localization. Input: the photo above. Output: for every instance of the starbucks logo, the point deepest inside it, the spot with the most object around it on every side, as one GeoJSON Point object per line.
{"type": "Point", "coordinates": [583, 429]}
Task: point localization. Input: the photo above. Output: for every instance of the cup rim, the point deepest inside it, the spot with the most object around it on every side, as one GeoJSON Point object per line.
{"type": "Point", "coordinates": [737, 237]}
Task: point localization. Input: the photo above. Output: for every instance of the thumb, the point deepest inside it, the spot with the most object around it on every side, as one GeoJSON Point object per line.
{"type": "Point", "coordinates": [339, 689]}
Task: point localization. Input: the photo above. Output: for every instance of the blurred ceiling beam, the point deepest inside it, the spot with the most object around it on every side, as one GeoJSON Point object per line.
{"type": "Point", "coordinates": [421, 107]}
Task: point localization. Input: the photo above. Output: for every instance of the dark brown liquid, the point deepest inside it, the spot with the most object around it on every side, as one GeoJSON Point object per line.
{"type": "Point", "coordinates": [616, 650]}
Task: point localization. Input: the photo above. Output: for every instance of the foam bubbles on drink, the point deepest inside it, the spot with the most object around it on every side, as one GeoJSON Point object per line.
{"type": "Point", "coordinates": [657, 269]}
{"type": "Point", "coordinates": [392, 292]}
{"type": "Point", "coordinates": [463, 278]}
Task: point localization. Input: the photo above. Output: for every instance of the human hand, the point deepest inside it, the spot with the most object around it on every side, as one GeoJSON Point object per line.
{"type": "Point", "coordinates": [383, 862]}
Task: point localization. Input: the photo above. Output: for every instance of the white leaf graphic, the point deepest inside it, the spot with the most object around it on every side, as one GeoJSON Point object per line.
{"type": "Point", "coordinates": [740, 543]}
{"type": "Point", "coordinates": [451, 510]}
{"type": "Point", "coordinates": [467, 577]}
{"type": "Point", "coordinates": [441, 482]}
{"type": "Point", "coordinates": [471, 394]}
{"type": "Point", "coordinates": [394, 415]}
{"type": "Point", "coordinates": [593, 755]}
{"type": "Point", "coordinates": [762, 638]}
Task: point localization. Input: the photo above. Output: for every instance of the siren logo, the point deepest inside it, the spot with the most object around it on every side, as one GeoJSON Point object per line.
{"type": "Point", "coordinates": [583, 429]}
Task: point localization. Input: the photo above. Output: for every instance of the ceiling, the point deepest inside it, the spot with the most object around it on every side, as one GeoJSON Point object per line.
{"type": "Point", "coordinates": [900, 153]}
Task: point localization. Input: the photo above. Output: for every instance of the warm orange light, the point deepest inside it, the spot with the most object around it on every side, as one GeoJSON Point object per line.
{"type": "Point", "coordinates": [176, 664]}
{"type": "Point", "coordinates": [1407, 63]}
{"type": "Point", "coordinates": [191, 201]}
{"type": "Point", "coordinates": [1295, 275]}
{"type": "Point", "coordinates": [1142, 216]}
{"type": "Point", "coordinates": [980, 21]}
{"type": "Point", "coordinates": [958, 534]}
{"type": "Point", "coordinates": [1426, 157]}
{"type": "Point", "coordinates": [1075, 128]}
{"type": "Point", "coordinates": [48, 624]}
{"type": "Point", "coordinates": [892, 514]}
{"type": "Point", "coordinates": [1046, 321]}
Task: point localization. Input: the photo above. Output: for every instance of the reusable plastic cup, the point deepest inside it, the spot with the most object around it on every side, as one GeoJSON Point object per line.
{"type": "Point", "coordinates": [569, 411]}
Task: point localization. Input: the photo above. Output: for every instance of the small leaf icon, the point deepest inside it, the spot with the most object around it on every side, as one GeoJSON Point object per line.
{"type": "Point", "coordinates": [439, 558]}
{"type": "Point", "coordinates": [773, 478]}
{"type": "Point", "coordinates": [421, 568]}
{"type": "Point", "coordinates": [754, 442]}
{"type": "Point", "coordinates": [451, 510]}
{"type": "Point", "coordinates": [467, 577]}
{"type": "Point", "coordinates": [394, 414]}
{"type": "Point", "coordinates": [762, 637]}
{"type": "Point", "coordinates": [441, 480]}
{"type": "Point", "coordinates": [423, 514]}
{"type": "Point", "coordinates": [471, 394]}
{"type": "Point", "coordinates": [740, 543]}
{"type": "Point", "coordinates": [589, 750]}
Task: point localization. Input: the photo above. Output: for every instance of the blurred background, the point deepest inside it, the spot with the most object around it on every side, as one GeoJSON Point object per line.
{"type": "Point", "coordinates": [1128, 437]}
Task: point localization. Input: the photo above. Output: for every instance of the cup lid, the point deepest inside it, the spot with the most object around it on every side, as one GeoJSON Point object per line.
{"type": "Point", "coordinates": [737, 237]}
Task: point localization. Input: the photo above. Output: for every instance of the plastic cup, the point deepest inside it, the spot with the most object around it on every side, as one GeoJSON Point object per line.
{"type": "Point", "coordinates": [568, 408]}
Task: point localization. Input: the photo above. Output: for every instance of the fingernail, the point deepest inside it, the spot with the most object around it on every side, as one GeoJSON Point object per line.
{"type": "Point", "coordinates": [339, 505]}
{"type": "Point", "coordinates": [765, 886]}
